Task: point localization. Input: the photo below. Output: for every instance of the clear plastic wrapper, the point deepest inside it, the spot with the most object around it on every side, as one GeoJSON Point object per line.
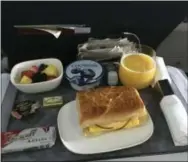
{"type": "Point", "coordinates": [106, 49]}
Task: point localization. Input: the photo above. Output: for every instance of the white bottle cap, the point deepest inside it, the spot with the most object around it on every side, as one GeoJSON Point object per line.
{"type": "Point", "coordinates": [112, 78]}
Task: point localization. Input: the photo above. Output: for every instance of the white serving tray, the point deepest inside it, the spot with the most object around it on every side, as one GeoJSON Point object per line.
{"type": "Point", "coordinates": [72, 137]}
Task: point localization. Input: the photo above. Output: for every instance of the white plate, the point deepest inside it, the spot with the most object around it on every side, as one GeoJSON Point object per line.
{"type": "Point", "coordinates": [72, 137]}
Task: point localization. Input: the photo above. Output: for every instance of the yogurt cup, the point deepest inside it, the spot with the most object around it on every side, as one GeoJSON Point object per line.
{"type": "Point", "coordinates": [84, 74]}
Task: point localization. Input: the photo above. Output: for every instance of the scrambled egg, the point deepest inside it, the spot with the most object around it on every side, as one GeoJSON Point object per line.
{"type": "Point", "coordinates": [97, 129]}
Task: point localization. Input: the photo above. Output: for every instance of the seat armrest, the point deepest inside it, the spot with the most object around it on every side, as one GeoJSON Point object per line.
{"type": "Point", "coordinates": [8, 96]}
{"type": "Point", "coordinates": [5, 79]}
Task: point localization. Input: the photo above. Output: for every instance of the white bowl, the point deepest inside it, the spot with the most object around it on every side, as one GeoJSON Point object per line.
{"type": "Point", "coordinates": [36, 87]}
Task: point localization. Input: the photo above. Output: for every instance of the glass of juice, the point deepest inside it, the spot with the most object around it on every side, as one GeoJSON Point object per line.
{"type": "Point", "coordinates": [138, 69]}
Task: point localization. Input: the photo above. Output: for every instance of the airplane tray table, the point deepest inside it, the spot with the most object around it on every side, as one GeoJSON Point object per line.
{"type": "Point", "coordinates": [160, 142]}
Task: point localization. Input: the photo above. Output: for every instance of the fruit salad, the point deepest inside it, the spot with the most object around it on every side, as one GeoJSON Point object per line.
{"type": "Point", "coordinates": [40, 73]}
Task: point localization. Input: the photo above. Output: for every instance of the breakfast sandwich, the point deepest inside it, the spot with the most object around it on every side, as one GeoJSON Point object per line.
{"type": "Point", "coordinates": [110, 109]}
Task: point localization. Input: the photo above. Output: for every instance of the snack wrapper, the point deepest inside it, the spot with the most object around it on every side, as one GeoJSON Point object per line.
{"type": "Point", "coordinates": [28, 139]}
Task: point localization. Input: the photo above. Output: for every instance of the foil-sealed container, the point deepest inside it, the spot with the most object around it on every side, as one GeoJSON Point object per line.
{"type": "Point", "coordinates": [28, 139]}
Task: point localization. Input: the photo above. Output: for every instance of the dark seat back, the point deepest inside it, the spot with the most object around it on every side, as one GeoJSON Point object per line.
{"type": "Point", "coordinates": [151, 21]}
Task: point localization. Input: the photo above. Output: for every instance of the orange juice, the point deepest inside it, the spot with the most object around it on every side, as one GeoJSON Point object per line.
{"type": "Point", "coordinates": [137, 70]}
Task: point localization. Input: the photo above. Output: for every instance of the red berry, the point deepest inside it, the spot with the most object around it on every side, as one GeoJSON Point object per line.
{"type": "Point", "coordinates": [27, 73]}
{"type": "Point", "coordinates": [34, 69]}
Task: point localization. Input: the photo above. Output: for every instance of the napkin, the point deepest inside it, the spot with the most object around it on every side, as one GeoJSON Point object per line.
{"type": "Point", "coordinates": [172, 107]}
{"type": "Point", "coordinates": [180, 80]}
{"type": "Point", "coordinates": [176, 117]}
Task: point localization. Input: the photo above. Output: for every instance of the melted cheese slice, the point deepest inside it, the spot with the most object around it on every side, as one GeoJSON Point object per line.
{"type": "Point", "coordinates": [96, 130]}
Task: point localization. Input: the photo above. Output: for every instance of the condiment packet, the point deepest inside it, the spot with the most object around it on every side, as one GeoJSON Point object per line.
{"type": "Point", "coordinates": [25, 108]}
{"type": "Point", "coordinates": [52, 101]}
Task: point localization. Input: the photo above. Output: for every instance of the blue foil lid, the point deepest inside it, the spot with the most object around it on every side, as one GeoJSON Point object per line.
{"type": "Point", "coordinates": [84, 72]}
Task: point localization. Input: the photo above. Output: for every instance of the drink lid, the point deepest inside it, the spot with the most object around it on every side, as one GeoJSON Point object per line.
{"type": "Point", "coordinates": [84, 72]}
